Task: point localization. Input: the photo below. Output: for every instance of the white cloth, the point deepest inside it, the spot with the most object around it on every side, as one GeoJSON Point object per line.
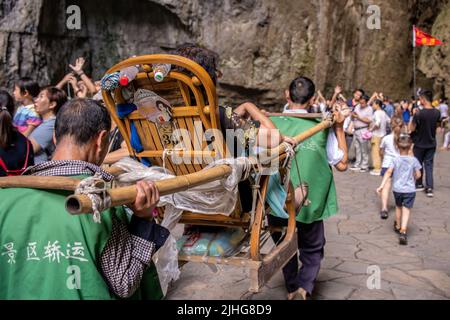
{"type": "Point", "coordinates": [214, 197]}
{"type": "Point", "coordinates": [390, 151]}
{"type": "Point", "coordinates": [347, 123]}
{"type": "Point", "coordinates": [443, 108]}
{"type": "Point", "coordinates": [334, 154]}
{"type": "Point", "coordinates": [380, 120]}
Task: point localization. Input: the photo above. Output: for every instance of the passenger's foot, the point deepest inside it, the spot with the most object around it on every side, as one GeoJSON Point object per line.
{"type": "Point", "coordinates": [403, 238]}
{"type": "Point", "coordinates": [363, 170]}
{"type": "Point", "coordinates": [355, 168]}
{"type": "Point", "coordinates": [384, 214]}
{"type": "Point", "coordinates": [375, 172]}
{"type": "Point", "coordinates": [429, 193]}
{"type": "Point", "coordinates": [300, 294]}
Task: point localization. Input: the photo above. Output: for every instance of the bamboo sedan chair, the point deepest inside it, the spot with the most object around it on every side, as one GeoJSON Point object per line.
{"type": "Point", "coordinates": [192, 95]}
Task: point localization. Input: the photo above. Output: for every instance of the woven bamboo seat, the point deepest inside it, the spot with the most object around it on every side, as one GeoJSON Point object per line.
{"type": "Point", "coordinates": [192, 94]}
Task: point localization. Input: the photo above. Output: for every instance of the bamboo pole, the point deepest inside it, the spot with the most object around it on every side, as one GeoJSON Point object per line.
{"type": "Point", "coordinates": [282, 148]}
{"type": "Point", "coordinates": [297, 115]}
{"type": "Point", "coordinates": [79, 204]}
{"type": "Point", "coordinates": [37, 182]}
{"type": "Point", "coordinates": [49, 183]}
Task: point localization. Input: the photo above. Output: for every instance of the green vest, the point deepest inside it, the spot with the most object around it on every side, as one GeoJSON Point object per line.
{"type": "Point", "coordinates": [46, 253]}
{"type": "Point", "coordinates": [311, 157]}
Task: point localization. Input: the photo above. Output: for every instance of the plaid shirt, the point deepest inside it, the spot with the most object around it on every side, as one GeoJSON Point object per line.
{"type": "Point", "coordinates": [129, 249]}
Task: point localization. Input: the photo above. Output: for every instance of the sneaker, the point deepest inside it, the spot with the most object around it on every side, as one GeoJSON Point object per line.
{"type": "Point", "coordinates": [420, 187]}
{"type": "Point", "coordinates": [375, 173]}
{"type": "Point", "coordinates": [397, 230]}
{"type": "Point", "coordinates": [403, 239]}
{"type": "Point", "coordinates": [363, 170]}
{"type": "Point", "coordinates": [355, 168]}
{"type": "Point", "coordinates": [384, 214]}
{"type": "Point", "coordinates": [429, 192]}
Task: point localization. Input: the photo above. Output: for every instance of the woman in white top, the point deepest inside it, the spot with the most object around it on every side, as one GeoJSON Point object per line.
{"type": "Point", "coordinates": [389, 151]}
{"type": "Point", "coordinates": [378, 128]}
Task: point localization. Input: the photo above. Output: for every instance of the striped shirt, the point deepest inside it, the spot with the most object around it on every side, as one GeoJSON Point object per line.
{"type": "Point", "coordinates": [26, 116]}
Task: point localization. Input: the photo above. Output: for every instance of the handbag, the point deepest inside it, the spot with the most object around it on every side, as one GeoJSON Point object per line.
{"type": "Point", "coordinates": [366, 134]}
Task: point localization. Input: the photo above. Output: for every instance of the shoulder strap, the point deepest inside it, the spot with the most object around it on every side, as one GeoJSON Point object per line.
{"type": "Point", "coordinates": [27, 156]}
{"type": "Point", "coordinates": [3, 165]}
{"type": "Point", "coordinates": [15, 172]}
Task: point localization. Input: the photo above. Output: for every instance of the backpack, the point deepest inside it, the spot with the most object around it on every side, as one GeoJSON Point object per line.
{"type": "Point", "coordinates": [16, 172]}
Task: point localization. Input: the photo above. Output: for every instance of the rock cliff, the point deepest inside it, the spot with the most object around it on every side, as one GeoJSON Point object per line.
{"type": "Point", "coordinates": [263, 44]}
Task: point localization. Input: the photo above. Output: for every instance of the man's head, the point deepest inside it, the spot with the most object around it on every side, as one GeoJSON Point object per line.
{"type": "Point", "coordinates": [364, 100]}
{"type": "Point", "coordinates": [25, 89]}
{"type": "Point", "coordinates": [85, 125]}
{"type": "Point", "coordinates": [425, 97]}
{"type": "Point", "coordinates": [301, 92]}
{"type": "Point", "coordinates": [358, 94]}
{"type": "Point", "coordinates": [49, 101]}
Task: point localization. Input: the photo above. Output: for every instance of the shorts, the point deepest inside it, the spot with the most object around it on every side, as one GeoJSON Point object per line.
{"type": "Point", "coordinates": [383, 171]}
{"type": "Point", "coordinates": [404, 199]}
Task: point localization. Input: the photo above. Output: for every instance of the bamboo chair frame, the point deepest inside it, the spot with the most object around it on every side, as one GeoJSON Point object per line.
{"type": "Point", "coordinates": [205, 109]}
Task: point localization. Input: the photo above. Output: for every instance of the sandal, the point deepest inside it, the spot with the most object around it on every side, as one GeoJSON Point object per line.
{"type": "Point", "coordinates": [384, 214]}
{"type": "Point", "coordinates": [397, 230]}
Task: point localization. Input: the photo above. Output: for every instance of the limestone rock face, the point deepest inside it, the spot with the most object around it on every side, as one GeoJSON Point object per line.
{"type": "Point", "coordinates": [263, 44]}
{"type": "Point", "coordinates": [435, 61]}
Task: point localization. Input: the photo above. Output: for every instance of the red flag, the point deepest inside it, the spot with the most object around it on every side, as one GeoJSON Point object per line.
{"type": "Point", "coordinates": [424, 39]}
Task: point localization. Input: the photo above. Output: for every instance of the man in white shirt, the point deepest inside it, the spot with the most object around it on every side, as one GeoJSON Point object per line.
{"type": "Point", "coordinates": [362, 117]}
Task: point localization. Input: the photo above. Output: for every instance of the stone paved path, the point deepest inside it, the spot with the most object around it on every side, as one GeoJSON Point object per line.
{"type": "Point", "coordinates": [356, 239]}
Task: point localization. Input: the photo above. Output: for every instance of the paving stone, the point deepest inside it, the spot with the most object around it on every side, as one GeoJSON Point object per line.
{"type": "Point", "coordinates": [439, 279]}
{"type": "Point", "coordinates": [366, 294]}
{"type": "Point", "coordinates": [402, 277]}
{"type": "Point", "coordinates": [340, 250]}
{"type": "Point", "coordinates": [353, 267]}
{"type": "Point", "coordinates": [402, 292]}
{"type": "Point", "coordinates": [332, 290]}
{"type": "Point", "coordinates": [328, 274]}
{"type": "Point", "coordinates": [356, 238]}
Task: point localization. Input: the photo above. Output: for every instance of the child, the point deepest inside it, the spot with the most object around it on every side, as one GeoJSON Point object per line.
{"type": "Point", "coordinates": [26, 118]}
{"type": "Point", "coordinates": [388, 151]}
{"type": "Point", "coordinates": [404, 170]}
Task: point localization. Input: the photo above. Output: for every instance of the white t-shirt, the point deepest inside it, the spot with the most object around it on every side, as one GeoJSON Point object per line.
{"type": "Point", "coordinates": [380, 119]}
{"type": "Point", "coordinates": [334, 154]}
{"type": "Point", "coordinates": [444, 110]}
{"type": "Point", "coordinates": [390, 151]}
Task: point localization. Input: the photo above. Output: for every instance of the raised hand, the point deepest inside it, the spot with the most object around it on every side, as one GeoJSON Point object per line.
{"type": "Point", "coordinates": [79, 64]}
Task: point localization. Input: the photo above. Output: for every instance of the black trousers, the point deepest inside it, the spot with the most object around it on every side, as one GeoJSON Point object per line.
{"type": "Point", "coordinates": [426, 159]}
{"type": "Point", "coordinates": [311, 243]}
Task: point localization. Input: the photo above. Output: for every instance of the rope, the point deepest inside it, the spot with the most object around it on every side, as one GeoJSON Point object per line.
{"type": "Point", "coordinates": [95, 189]}
{"type": "Point", "coordinates": [287, 164]}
